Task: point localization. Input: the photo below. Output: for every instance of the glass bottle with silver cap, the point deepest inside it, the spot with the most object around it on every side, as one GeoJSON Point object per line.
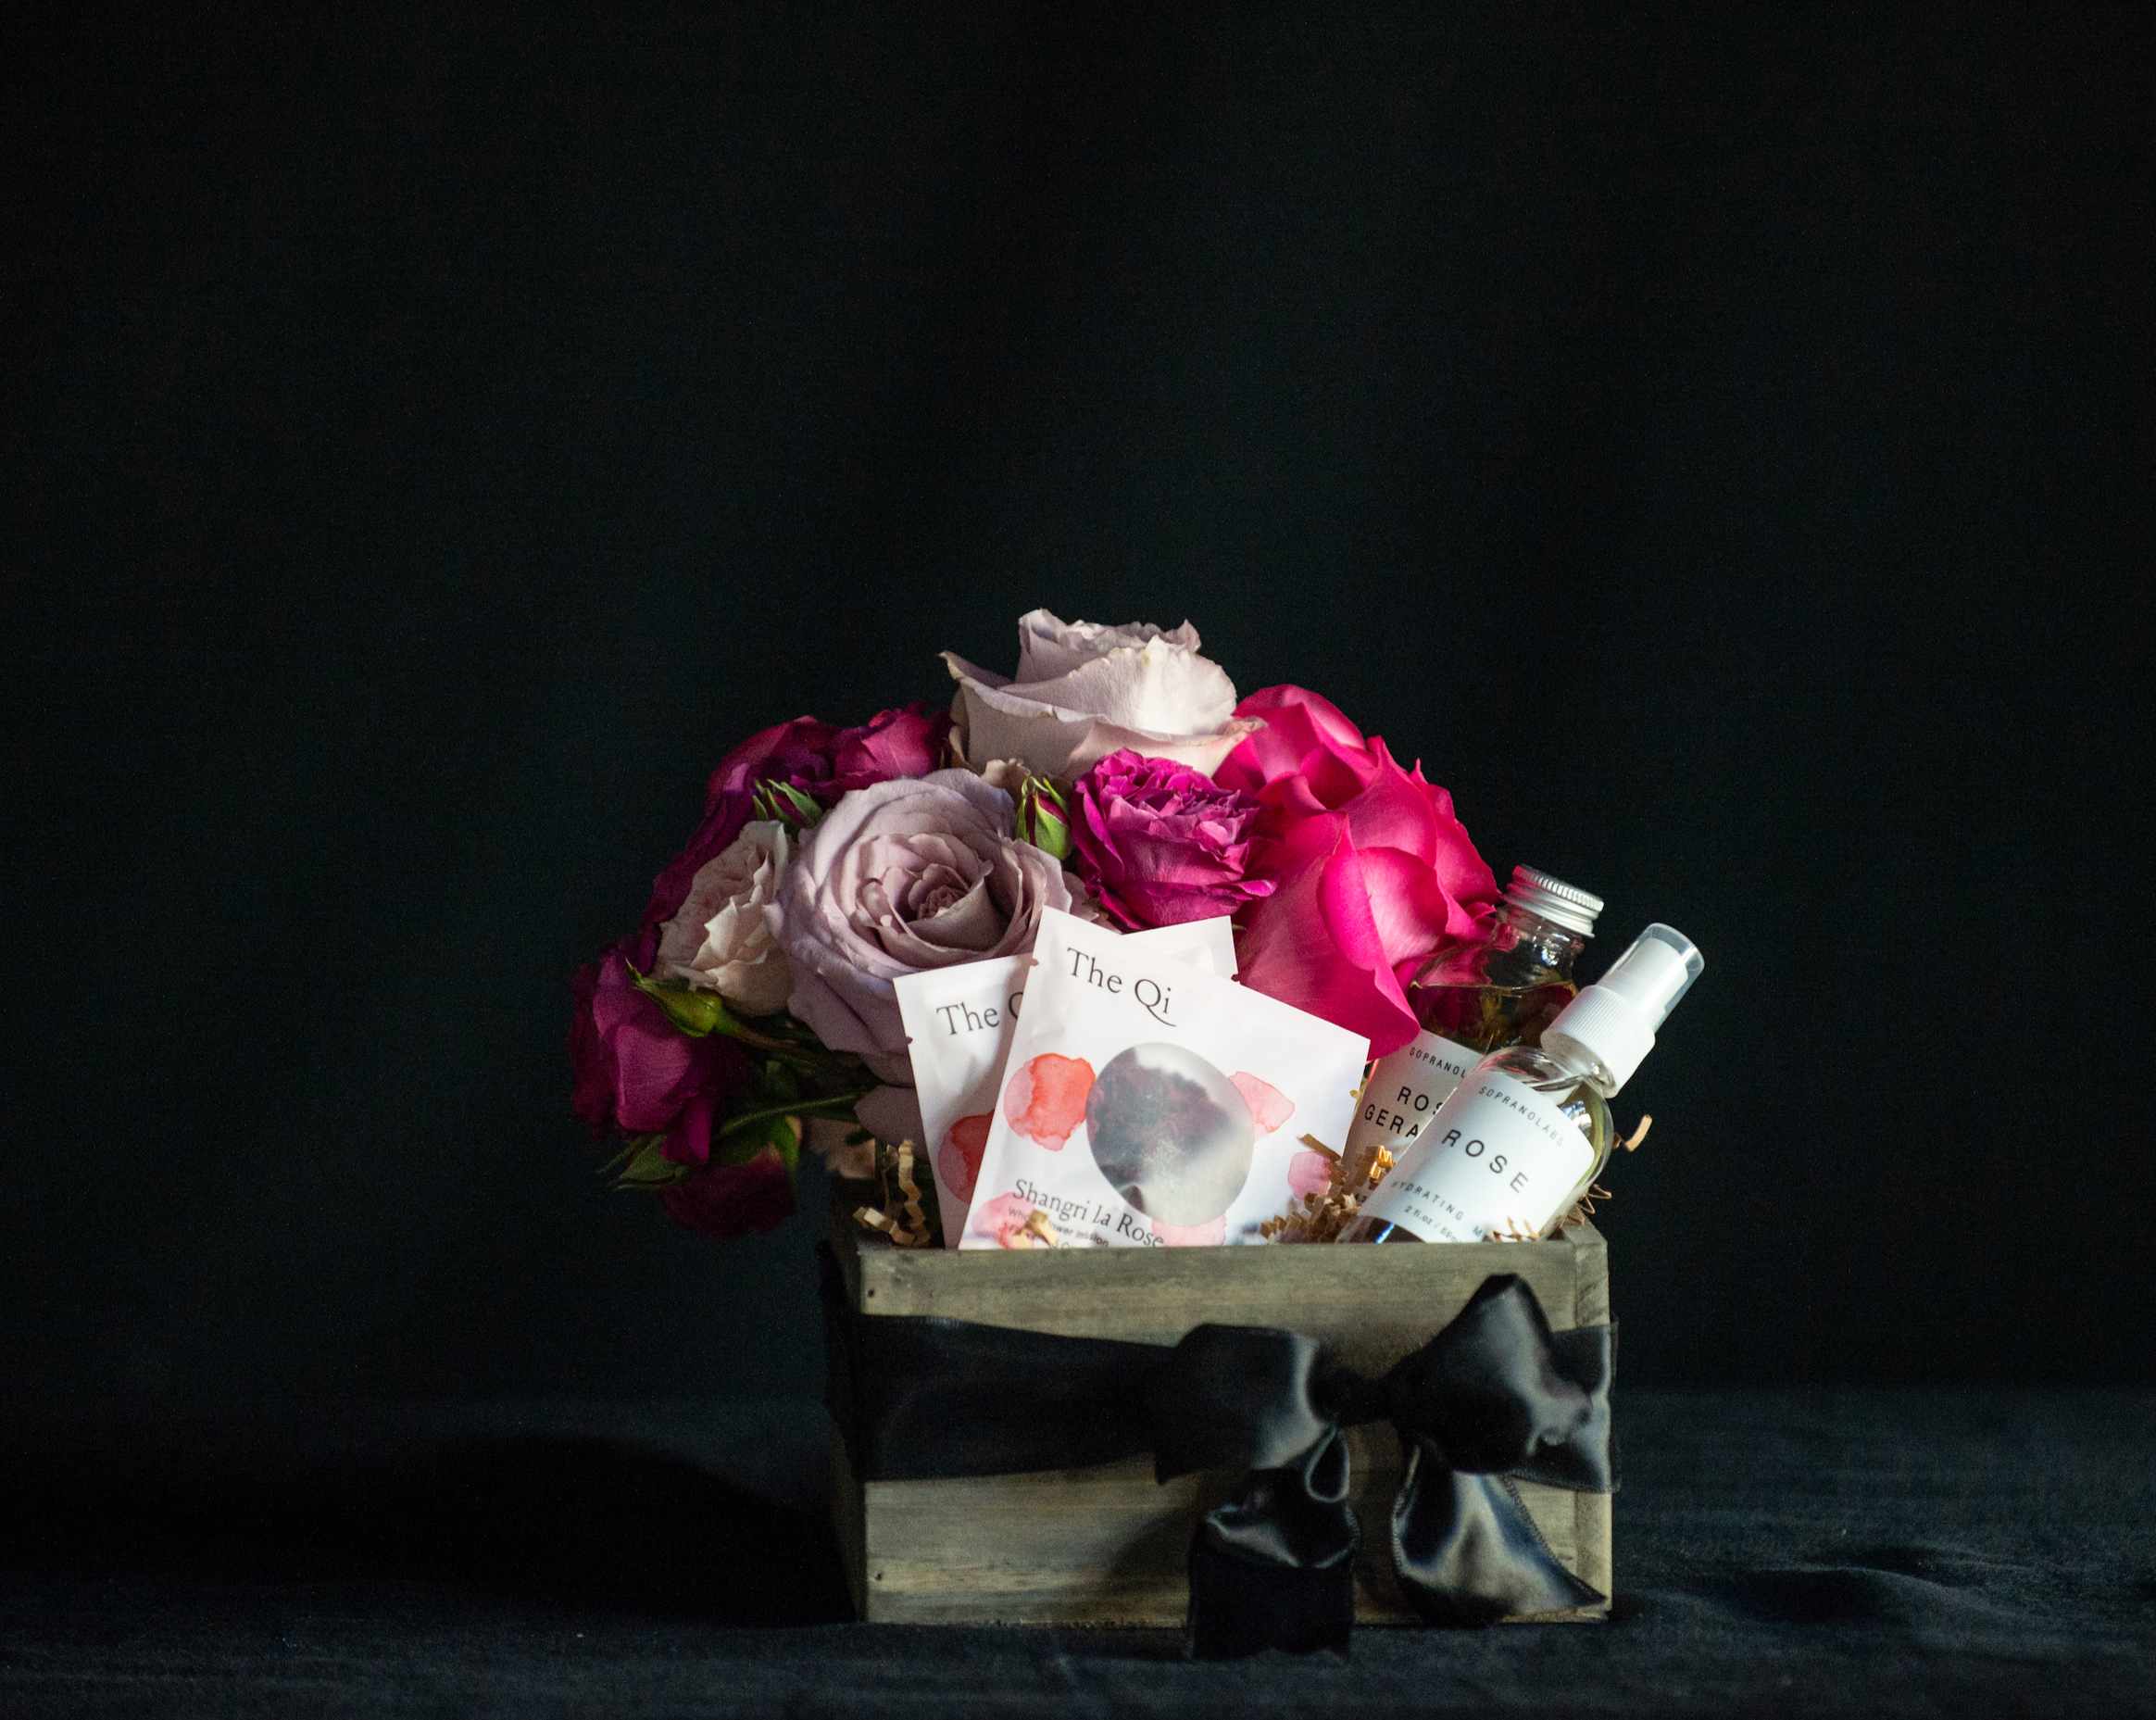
{"type": "Point", "coordinates": [1473, 998]}
{"type": "Point", "coordinates": [1523, 1137]}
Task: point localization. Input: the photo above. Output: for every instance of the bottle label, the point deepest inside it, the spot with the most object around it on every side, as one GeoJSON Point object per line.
{"type": "Point", "coordinates": [1499, 1158]}
{"type": "Point", "coordinates": [1405, 1090]}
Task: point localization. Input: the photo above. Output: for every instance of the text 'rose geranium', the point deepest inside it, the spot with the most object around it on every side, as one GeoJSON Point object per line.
{"type": "Point", "coordinates": [1163, 843]}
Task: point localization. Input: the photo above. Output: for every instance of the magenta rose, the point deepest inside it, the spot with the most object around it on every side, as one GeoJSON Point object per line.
{"type": "Point", "coordinates": [1307, 758]}
{"type": "Point", "coordinates": [820, 761]}
{"type": "Point", "coordinates": [637, 1074]}
{"type": "Point", "coordinates": [1373, 870]}
{"type": "Point", "coordinates": [725, 1201]}
{"type": "Point", "coordinates": [1162, 842]}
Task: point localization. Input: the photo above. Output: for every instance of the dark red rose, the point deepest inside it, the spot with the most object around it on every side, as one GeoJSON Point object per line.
{"type": "Point", "coordinates": [819, 761]}
{"type": "Point", "coordinates": [725, 1201]}
{"type": "Point", "coordinates": [638, 1074]}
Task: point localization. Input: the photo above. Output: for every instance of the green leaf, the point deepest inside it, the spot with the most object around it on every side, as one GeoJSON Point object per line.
{"type": "Point", "coordinates": [748, 1133]}
{"type": "Point", "coordinates": [697, 1013]}
{"type": "Point", "coordinates": [648, 1166]}
{"type": "Point", "coordinates": [631, 1145]}
{"type": "Point", "coordinates": [780, 1083]}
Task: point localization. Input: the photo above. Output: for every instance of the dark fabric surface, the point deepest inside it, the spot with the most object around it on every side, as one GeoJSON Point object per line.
{"type": "Point", "coordinates": [1911, 1553]}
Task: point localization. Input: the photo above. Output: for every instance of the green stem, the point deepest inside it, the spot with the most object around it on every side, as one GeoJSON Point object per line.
{"type": "Point", "coordinates": [831, 1105]}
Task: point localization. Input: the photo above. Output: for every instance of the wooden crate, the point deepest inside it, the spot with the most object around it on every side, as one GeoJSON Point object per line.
{"type": "Point", "coordinates": [1107, 1545]}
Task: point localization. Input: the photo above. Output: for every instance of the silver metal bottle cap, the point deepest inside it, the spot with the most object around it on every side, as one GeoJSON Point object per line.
{"type": "Point", "coordinates": [1554, 899]}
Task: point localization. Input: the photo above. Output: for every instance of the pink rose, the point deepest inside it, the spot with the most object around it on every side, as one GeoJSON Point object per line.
{"type": "Point", "coordinates": [818, 760]}
{"type": "Point", "coordinates": [635, 1073]}
{"type": "Point", "coordinates": [724, 1201]}
{"type": "Point", "coordinates": [1307, 758]}
{"type": "Point", "coordinates": [1162, 842]}
{"type": "Point", "coordinates": [1373, 869]}
{"type": "Point", "coordinates": [898, 877]}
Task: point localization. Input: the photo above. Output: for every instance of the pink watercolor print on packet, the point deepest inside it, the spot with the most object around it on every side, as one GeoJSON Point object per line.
{"type": "Point", "coordinates": [1046, 1103]}
{"type": "Point", "coordinates": [1045, 1099]}
{"type": "Point", "coordinates": [959, 1159]}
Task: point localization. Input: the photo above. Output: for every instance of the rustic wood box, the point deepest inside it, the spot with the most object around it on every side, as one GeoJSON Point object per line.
{"type": "Point", "coordinates": [1107, 1545]}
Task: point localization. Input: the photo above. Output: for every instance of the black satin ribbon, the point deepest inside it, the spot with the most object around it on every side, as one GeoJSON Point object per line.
{"type": "Point", "coordinates": [1494, 1398]}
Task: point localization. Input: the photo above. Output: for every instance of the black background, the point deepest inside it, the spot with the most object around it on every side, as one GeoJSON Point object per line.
{"type": "Point", "coordinates": [1717, 446]}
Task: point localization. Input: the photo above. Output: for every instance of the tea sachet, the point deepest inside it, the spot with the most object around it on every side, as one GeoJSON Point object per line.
{"type": "Point", "coordinates": [1146, 1103]}
{"type": "Point", "coordinates": [959, 1021]}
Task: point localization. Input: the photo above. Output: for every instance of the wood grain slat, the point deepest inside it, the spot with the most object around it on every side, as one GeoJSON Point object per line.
{"type": "Point", "coordinates": [1107, 1545]}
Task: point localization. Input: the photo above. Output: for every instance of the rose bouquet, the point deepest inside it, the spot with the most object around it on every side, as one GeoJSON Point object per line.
{"type": "Point", "coordinates": [1114, 776]}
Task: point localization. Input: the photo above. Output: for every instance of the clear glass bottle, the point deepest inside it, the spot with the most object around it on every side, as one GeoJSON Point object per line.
{"type": "Point", "coordinates": [1521, 1138]}
{"type": "Point", "coordinates": [1473, 998]}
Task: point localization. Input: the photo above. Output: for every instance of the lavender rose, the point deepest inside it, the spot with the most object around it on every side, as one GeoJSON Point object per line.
{"type": "Point", "coordinates": [898, 877]}
{"type": "Point", "coordinates": [1162, 844]}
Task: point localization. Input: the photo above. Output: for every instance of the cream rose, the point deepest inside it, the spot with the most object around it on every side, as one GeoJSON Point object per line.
{"type": "Point", "coordinates": [1084, 691]}
{"type": "Point", "coordinates": [720, 938]}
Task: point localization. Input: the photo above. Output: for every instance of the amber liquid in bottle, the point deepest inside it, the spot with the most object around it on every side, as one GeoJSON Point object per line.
{"type": "Point", "coordinates": [1505, 992]}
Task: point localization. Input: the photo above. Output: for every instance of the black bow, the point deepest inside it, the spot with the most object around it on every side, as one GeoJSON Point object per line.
{"type": "Point", "coordinates": [1496, 1396]}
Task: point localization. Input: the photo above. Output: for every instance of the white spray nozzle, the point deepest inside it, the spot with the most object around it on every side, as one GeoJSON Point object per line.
{"type": "Point", "coordinates": [1613, 1021]}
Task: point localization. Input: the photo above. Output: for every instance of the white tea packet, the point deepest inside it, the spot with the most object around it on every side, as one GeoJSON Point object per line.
{"type": "Point", "coordinates": [1146, 1103]}
{"type": "Point", "coordinates": [960, 1021]}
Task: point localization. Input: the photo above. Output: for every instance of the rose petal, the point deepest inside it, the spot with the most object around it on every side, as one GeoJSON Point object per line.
{"type": "Point", "coordinates": [1084, 691]}
{"type": "Point", "coordinates": [1307, 751]}
{"type": "Point", "coordinates": [1406, 905]}
{"type": "Point", "coordinates": [1048, 647]}
{"type": "Point", "coordinates": [839, 913]}
{"type": "Point", "coordinates": [892, 1113]}
{"type": "Point", "coordinates": [1290, 949]}
{"type": "Point", "coordinates": [1154, 687]}
{"type": "Point", "coordinates": [971, 923]}
{"type": "Point", "coordinates": [1393, 811]}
